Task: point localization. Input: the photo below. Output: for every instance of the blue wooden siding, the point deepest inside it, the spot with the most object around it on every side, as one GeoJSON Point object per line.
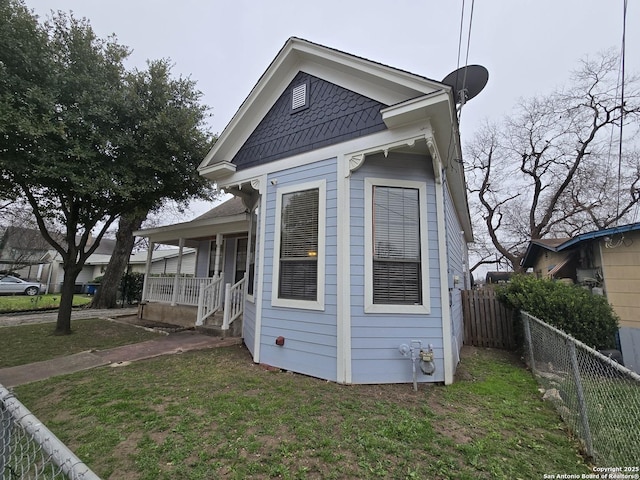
{"type": "Point", "coordinates": [310, 335]}
{"type": "Point", "coordinates": [202, 260]}
{"type": "Point", "coordinates": [456, 256]}
{"type": "Point", "coordinates": [377, 337]}
{"type": "Point", "coordinates": [228, 260]}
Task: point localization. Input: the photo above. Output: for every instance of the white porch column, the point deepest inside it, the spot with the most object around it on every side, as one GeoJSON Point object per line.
{"type": "Point", "coordinates": [176, 279]}
{"type": "Point", "coordinates": [147, 270]}
{"type": "Point", "coordinates": [216, 268]}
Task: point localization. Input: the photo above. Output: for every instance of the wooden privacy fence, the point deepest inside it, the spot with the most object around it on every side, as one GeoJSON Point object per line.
{"type": "Point", "coordinates": [487, 322]}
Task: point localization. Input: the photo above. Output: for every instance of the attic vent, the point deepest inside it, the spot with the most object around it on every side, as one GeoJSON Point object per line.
{"type": "Point", "coordinates": [299, 97]}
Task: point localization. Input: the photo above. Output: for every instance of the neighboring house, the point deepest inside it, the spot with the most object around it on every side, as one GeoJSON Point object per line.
{"type": "Point", "coordinates": [28, 254]}
{"type": "Point", "coordinates": [164, 262]}
{"type": "Point", "coordinates": [348, 234]}
{"type": "Point", "coordinates": [25, 252]}
{"type": "Point", "coordinates": [605, 261]}
{"type": "Point", "coordinates": [498, 277]}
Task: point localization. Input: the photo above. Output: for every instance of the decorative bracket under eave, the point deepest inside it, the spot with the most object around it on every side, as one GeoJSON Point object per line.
{"type": "Point", "coordinates": [357, 159]}
{"type": "Point", "coordinates": [249, 196]}
{"type": "Point", "coordinates": [435, 157]}
{"type": "Point", "coordinates": [356, 162]}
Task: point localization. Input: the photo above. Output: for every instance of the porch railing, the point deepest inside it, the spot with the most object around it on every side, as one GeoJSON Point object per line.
{"type": "Point", "coordinates": [204, 292]}
{"type": "Point", "coordinates": [160, 289]}
{"type": "Point", "coordinates": [233, 302]}
{"type": "Point", "coordinates": [210, 299]}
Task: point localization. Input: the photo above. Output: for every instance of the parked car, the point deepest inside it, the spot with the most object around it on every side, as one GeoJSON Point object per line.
{"type": "Point", "coordinates": [14, 285]}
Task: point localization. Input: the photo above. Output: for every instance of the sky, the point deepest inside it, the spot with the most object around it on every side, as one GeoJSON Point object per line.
{"type": "Point", "coordinates": [529, 47]}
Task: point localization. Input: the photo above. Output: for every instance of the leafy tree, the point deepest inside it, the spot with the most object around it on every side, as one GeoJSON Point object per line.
{"type": "Point", "coordinates": [66, 141]}
{"type": "Point", "coordinates": [551, 168]}
{"type": "Point", "coordinates": [163, 134]}
{"type": "Point", "coordinates": [570, 308]}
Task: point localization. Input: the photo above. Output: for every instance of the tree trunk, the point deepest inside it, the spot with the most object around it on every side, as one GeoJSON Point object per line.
{"type": "Point", "coordinates": [63, 324]}
{"type": "Point", "coordinates": [107, 293]}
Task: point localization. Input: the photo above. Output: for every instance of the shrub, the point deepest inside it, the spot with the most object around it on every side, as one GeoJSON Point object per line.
{"type": "Point", "coordinates": [572, 309]}
{"type": "Point", "coordinates": [131, 285]}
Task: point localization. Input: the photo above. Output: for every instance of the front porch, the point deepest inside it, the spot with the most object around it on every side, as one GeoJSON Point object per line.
{"type": "Point", "coordinates": [214, 297]}
{"type": "Point", "coordinates": [195, 301]}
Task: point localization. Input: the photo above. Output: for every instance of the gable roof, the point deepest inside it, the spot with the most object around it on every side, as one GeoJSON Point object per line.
{"type": "Point", "coordinates": [228, 217]}
{"type": "Point", "coordinates": [21, 237]}
{"type": "Point", "coordinates": [561, 244]}
{"type": "Point", "coordinates": [32, 239]}
{"type": "Point", "coordinates": [387, 85]}
{"type": "Point", "coordinates": [233, 206]}
{"type": "Point", "coordinates": [410, 98]}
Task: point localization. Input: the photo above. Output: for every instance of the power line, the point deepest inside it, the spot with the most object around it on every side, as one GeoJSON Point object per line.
{"type": "Point", "coordinates": [624, 28]}
{"type": "Point", "coordinates": [464, 78]}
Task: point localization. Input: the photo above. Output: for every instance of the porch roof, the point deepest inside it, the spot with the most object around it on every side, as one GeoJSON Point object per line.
{"type": "Point", "coordinates": [227, 218]}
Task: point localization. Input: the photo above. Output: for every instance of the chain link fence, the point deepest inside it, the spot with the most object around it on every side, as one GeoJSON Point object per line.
{"type": "Point", "coordinates": [29, 450]}
{"type": "Point", "coordinates": [597, 398]}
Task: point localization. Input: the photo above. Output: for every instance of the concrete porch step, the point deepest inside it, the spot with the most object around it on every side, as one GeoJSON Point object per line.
{"type": "Point", "coordinates": [213, 326]}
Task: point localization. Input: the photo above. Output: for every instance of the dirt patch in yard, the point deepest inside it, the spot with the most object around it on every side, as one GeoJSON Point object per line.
{"type": "Point", "coordinates": [152, 325]}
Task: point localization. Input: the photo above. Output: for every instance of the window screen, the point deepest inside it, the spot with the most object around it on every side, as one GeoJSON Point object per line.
{"type": "Point", "coordinates": [396, 246]}
{"type": "Point", "coordinates": [299, 246]}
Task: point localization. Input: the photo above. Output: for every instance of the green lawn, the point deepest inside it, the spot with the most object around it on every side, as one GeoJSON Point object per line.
{"type": "Point", "coordinates": [215, 414]}
{"type": "Point", "coordinates": [32, 343]}
{"type": "Point", "coordinates": [19, 303]}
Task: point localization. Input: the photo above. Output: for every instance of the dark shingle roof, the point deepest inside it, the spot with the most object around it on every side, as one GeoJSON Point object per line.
{"type": "Point", "coordinates": [231, 207]}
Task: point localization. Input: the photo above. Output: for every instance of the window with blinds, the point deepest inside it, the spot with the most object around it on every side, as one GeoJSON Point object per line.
{"type": "Point", "coordinates": [298, 279]}
{"type": "Point", "coordinates": [396, 246]}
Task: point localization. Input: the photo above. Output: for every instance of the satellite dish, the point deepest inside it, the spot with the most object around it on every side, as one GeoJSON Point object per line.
{"type": "Point", "coordinates": [467, 82]}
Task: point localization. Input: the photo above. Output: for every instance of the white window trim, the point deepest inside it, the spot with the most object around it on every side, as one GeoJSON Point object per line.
{"type": "Point", "coordinates": [318, 304]}
{"type": "Point", "coordinates": [369, 306]}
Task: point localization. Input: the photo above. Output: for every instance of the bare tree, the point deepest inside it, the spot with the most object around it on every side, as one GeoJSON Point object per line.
{"type": "Point", "coordinates": [21, 244]}
{"type": "Point", "coordinates": [551, 169]}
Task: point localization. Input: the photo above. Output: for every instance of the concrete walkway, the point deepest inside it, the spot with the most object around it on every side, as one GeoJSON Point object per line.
{"type": "Point", "coordinates": [12, 319]}
{"type": "Point", "coordinates": [173, 343]}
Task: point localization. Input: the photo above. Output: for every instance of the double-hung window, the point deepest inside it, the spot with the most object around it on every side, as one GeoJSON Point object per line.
{"type": "Point", "coordinates": [299, 246]}
{"type": "Point", "coordinates": [396, 265]}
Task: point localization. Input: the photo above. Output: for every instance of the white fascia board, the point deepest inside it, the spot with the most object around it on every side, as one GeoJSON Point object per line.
{"type": "Point", "coordinates": [417, 109]}
{"type": "Point", "coordinates": [217, 170]}
{"type": "Point", "coordinates": [263, 95]}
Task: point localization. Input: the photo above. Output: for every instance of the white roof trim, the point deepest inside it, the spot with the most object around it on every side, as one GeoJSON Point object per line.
{"type": "Point", "coordinates": [219, 170]}
{"type": "Point", "coordinates": [379, 82]}
{"type": "Point", "coordinates": [414, 110]}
